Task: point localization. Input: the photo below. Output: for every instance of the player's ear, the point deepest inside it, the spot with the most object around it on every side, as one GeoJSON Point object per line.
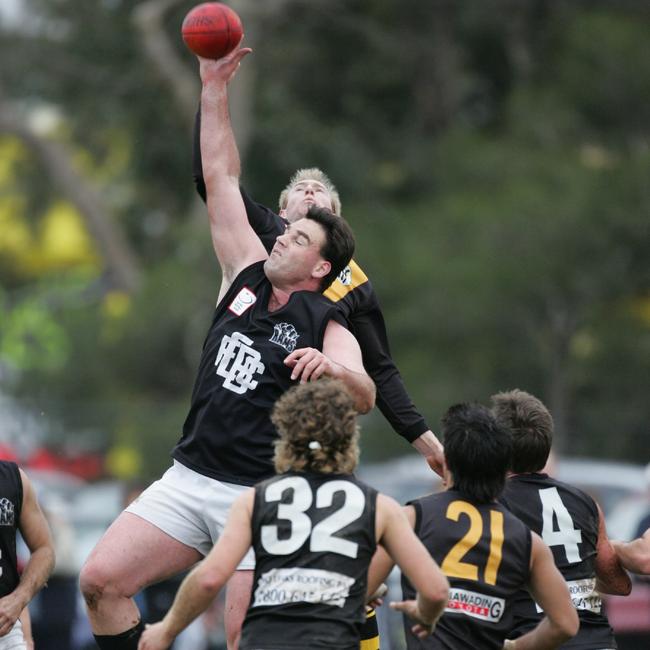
{"type": "Point", "coordinates": [321, 269]}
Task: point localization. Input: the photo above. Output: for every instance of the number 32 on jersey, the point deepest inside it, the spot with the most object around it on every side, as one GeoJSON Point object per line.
{"type": "Point", "coordinates": [322, 536]}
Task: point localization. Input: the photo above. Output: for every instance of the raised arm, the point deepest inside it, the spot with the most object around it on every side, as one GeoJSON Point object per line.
{"type": "Point", "coordinates": [235, 242]}
{"type": "Point", "coordinates": [611, 577]}
{"type": "Point", "coordinates": [204, 582]}
{"type": "Point", "coordinates": [548, 588]}
{"type": "Point", "coordinates": [266, 223]}
{"type": "Point", "coordinates": [36, 533]}
{"type": "Point", "coordinates": [341, 359]}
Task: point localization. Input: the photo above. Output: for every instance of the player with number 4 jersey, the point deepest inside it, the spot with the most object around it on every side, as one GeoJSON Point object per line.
{"type": "Point", "coordinates": [314, 528]}
{"type": "Point", "coordinates": [569, 521]}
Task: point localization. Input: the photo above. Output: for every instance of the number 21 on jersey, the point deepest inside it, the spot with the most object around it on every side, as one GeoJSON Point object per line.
{"type": "Point", "coordinates": [453, 566]}
{"type": "Point", "coordinates": [322, 536]}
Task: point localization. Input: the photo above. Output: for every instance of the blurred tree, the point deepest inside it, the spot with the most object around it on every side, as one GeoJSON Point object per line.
{"type": "Point", "coordinates": [492, 157]}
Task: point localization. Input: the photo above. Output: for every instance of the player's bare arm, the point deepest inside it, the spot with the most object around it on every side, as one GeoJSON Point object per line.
{"type": "Point", "coordinates": [396, 536]}
{"type": "Point", "coordinates": [548, 588]}
{"type": "Point", "coordinates": [205, 581]}
{"type": "Point", "coordinates": [235, 243]}
{"type": "Point", "coordinates": [36, 533]}
{"type": "Point", "coordinates": [340, 359]}
{"type": "Point", "coordinates": [635, 555]}
{"type": "Point", "coordinates": [611, 577]}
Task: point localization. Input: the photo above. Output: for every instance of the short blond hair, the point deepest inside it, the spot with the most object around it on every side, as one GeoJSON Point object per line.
{"type": "Point", "coordinates": [317, 423]}
{"type": "Point", "coordinates": [312, 174]}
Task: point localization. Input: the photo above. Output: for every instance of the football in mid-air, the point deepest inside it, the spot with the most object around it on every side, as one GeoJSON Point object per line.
{"type": "Point", "coordinates": [211, 30]}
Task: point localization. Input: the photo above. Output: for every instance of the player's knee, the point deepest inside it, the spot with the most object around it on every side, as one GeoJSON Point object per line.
{"type": "Point", "coordinates": [97, 583]}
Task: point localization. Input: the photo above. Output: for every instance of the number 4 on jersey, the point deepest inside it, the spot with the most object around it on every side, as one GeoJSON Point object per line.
{"type": "Point", "coordinates": [565, 534]}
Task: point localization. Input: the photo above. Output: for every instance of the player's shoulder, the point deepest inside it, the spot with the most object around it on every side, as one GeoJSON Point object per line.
{"type": "Point", "coordinates": [351, 281]}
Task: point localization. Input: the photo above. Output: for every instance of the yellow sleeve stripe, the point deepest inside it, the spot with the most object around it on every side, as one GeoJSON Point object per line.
{"type": "Point", "coordinates": [354, 277]}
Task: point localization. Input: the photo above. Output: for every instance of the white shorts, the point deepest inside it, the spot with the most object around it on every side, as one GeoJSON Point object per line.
{"type": "Point", "coordinates": [14, 640]}
{"type": "Point", "coordinates": [190, 507]}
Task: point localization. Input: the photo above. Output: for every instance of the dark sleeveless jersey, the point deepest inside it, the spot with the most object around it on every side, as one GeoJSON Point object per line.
{"type": "Point", "coordinates": [485, 553]}
{"type": "Point", "coordinates": [313, 537]}
{"type": "Point", "coordinates": [567, 520]}
{"type": "Point", "coordinates": [11, 503]}
{"type": "Point", "coordinates": [355, 297]}
{"type": "Point", "coordinates": [228, 434]}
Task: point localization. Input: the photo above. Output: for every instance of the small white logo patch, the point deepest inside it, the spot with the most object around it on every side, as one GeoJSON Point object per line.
{"type": "Point", "coordinates": [6, 512]}
{"type": "Point", "coordinates": [345, 276]}
{"type": "Point", "coordinates": [243, 301]}
{"type": "Point", "coordinates": [584, 595]}
{"type": "Point", "coordinates": [285, 335]}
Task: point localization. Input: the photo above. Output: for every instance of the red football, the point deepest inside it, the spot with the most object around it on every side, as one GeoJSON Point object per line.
{"type": "Point", "coordinates": [211, 30]}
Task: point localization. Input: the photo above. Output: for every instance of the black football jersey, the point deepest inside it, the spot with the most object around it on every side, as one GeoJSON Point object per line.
{"type": "Point", "coordinates": [485, 553]}
{"type": "Point", "coordinates": [355, 297]}
{"type": "Point", "coordinates": [228, 434]}
{"type": "Point", "coordinates": [567, 520]}
{"type": "Point", "coordinates": [11, 503]}
{"type": "Point", "coordinates": [313, 537]}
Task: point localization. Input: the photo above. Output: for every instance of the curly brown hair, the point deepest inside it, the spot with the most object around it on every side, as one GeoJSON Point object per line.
{"type": "Point", "coordinates": [317, 423]}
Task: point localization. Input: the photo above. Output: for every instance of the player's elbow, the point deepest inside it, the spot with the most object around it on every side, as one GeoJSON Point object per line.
{"type": "Point", "coordinates": [366, 398]}
{"type": "Point", "coordinates": [565, 626]}
{"type": "Point", "coordinates": [437, 591]}
{"type": "Point", "coordinates": [210, 583]}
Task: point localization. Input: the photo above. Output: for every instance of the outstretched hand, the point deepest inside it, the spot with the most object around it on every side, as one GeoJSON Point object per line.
{"type": "Point", "coordinates": [223, 69]}
{"type": "Point", "coordinates": [421, 629]}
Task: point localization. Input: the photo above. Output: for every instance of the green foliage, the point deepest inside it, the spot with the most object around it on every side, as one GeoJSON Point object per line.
{"type": "Point", "coordinates": [492, 160]}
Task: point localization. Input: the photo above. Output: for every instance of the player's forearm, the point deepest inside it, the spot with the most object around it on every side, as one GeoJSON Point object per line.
{"type": "Point", "coordinates": [546, 636]}
{"type": "Point", "coordinates": [635, 555]}
{"type": "Point", "coordinates": [361, 387]}
{"type": "Point", "coordinates": [194, 596]}
{"type": "Point", "coordinates": [35, 575]}
{"type": "Point", "coordinates": [219, 154]}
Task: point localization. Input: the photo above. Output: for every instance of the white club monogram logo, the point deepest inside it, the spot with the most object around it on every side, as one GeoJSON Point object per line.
{"type": "Point", "coordinates": [238, 363]}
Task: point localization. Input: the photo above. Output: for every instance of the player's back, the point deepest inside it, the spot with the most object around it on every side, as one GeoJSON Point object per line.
{"type": "Point", "coordinates": [485, 553]}
{"type": "Point", "coordinates": [567, 520]}
{"type": "Point", "coordinates": [314, 537]}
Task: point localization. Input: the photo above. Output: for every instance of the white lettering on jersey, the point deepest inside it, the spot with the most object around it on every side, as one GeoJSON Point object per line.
{"type": "Point", "coordinates": [238, 363]}
{"type": "Point", "coordinates": [243, 301]}
{"type": "Point", "coordinates": [471, 603]}
{"type": "Point", "coordinates": [302, 585]}
{"type": "Point", "coordinates": [565, 534]}
{"type": "Point", "coordinates": [285, 335]}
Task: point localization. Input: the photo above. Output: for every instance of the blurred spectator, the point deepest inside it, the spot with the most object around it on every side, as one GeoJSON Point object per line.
{"type": "Point", "coordinates": [53, 609]}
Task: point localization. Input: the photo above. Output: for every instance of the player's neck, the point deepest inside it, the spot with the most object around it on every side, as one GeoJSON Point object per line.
{"type": "Point", "coordinates": [280, 295]}
{"type": "Point", "coordinates": [278, 298]}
